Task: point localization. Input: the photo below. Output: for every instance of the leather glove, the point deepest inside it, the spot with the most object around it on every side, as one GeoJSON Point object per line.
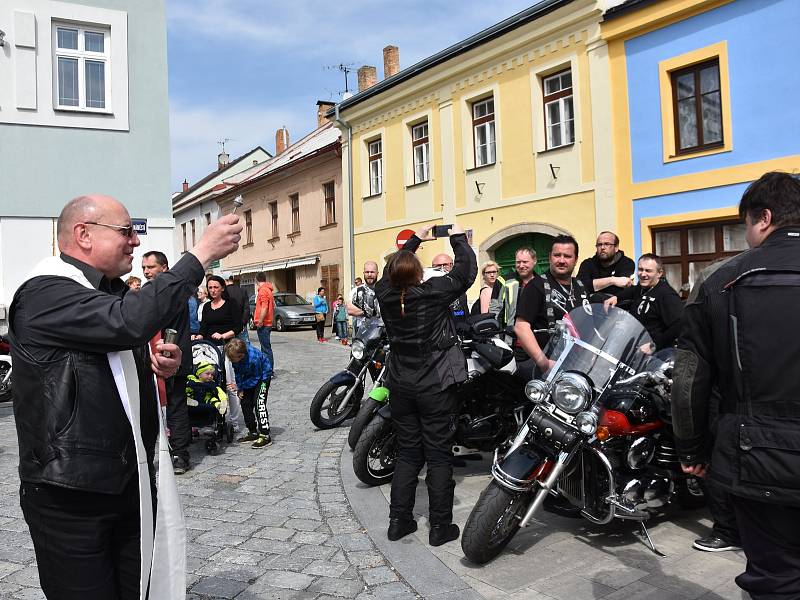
{"type": "Point", "coordinates": [223, 407]}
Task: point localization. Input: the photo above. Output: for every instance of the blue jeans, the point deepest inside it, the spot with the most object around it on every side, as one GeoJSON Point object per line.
{"type": "Point", "coordinates": [341, 329]}
{"type": "Point", "coordinates": [243, 335]}
{"type": "Point", "coordinates": [266, 347]}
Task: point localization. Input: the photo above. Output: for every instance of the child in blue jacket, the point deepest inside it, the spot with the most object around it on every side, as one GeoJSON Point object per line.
{"type": "Point", "coordinates": [253, 373]}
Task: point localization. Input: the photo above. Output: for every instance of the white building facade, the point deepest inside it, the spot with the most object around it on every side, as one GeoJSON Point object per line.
{"type": "Point", "coordinates": [83, 109]}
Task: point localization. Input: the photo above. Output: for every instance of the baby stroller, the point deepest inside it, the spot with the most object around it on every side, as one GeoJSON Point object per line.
{"type": "Point", "coordinates": [205, 417]}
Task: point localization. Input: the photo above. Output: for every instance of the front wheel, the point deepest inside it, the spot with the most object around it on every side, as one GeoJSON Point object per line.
{"type": "Point", "coordinates": [364, 416]}
{"type": "Point", "coordinates": [326, 410]}
{"type": "Point", "coordinates": [494, 520]}
{"type": "Point", "coordinates": [5, 388]}
{"type": "Point", "coordinates": [375, 453]}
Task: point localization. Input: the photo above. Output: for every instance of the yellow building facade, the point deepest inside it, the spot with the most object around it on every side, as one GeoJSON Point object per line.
{"type": "Point", "coordinates": [506, 133]}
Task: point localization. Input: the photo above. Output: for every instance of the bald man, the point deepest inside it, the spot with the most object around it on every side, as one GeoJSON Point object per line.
{"type": "Point", "coordinates": [363, 302]}
{"type": "Point", "coordinates": [86, 406]}
{"type": "Point", "coordinates": [444, 262]}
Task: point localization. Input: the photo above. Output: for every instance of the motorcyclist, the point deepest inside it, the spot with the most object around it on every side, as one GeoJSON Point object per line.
{"type": "Point", "coordinates": [545, 300]}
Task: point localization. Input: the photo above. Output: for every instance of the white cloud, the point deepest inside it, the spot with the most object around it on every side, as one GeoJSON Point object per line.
{"type": "Point", "coordinates": [195, 131]}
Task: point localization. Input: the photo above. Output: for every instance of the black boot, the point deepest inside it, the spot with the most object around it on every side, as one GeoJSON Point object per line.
{"type": "Point", "coordinates": [441, 534]}
{"type": "Point", "coordinates": [399, 528]}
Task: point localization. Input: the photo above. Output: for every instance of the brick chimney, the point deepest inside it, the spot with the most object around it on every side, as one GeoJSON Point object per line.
{"type": "Point", "coordinates": [222, 160]}
{"type": "Point", "coordinates": [367, 77]}
{"type": "Point", "coordinates": [281, 140]}
{"type": "Point", "coordinates": [391, 61]}
{"type": "Point", "coordinates": [185, 186]}
{"type": "Point", "coordinates": [323, 106]}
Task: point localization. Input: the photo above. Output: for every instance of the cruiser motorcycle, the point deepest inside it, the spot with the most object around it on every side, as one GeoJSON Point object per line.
{"type": "Point", "coordinates": [339, 398]}
{"type": "Point", "coordinates": [598, 443]}
{"type": "Point", "coordinates": [491, 406]}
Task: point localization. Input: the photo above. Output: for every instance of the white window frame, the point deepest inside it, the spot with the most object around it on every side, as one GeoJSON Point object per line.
{"type": "Point", "coordinates": [81, 55]}
{"type": "Point", "coordinates": [560, 98]}
{"type": "Point", "coordinates": [420, 150]}
{"type": "Point", "coordinates": [484, 123]}
{"type": "Point", "coordinates": [375, 164]}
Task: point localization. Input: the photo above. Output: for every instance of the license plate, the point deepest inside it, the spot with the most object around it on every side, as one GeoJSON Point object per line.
{"type": "Point", "coordinates": [308, 318]}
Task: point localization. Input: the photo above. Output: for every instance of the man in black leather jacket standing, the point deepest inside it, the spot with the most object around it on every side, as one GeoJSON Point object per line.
{"type": "Point", "coordinates": [427, 363]}
{"type": "Point", "coordinates": [739, 334]}
{"type": "Point", "coordinates": [82, 369]}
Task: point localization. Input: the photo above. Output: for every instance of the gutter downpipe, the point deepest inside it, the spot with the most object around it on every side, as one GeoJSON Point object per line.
{"type": "Point", "coordinates": [346, 125]}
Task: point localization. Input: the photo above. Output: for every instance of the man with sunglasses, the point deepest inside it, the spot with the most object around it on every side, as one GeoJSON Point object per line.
{"type": "Point", "coordinates": [444, 263]}
{"type": "Point", "coordinates": [86, 406]}
{"type": "Point", "coordinates": [609, 270]}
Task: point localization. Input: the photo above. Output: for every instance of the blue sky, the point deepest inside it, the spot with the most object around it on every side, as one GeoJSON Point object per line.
{"type": "Point", "coordinates": [241, 69]}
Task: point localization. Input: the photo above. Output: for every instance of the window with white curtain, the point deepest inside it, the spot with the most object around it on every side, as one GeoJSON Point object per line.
{"type": "Point", "coordinates": [484, 132]}
{"type": "Point", "coordinates": [419, 144]}
{"type": "Point", "coordinates": [375, 150]}
{"type": "Point", "coordinates": [81, 58]}
{"type": "Point", "coordinates": [559, 112]}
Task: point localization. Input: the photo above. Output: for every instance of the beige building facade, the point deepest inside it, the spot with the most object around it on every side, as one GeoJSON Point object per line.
{"type": "Point", "coordinates": [291, 212]}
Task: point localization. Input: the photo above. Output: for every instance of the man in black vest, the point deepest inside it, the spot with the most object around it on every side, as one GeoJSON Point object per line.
{"type": "Point", "coordinates": [739, 335]}
{"type": "Point", "coordinates": [69, 323]}
{"type": "Point", "coordinates": [545, 300]}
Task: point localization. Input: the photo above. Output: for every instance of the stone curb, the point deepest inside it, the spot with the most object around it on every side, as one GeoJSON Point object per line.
{"type": "Point", "coordinates": [418, 566]}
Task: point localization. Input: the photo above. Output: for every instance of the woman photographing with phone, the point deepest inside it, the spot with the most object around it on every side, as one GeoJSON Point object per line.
{"type": "Point", "coordinates": [427, 363]}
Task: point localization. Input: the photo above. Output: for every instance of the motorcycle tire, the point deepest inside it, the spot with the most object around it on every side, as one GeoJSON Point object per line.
{"type": "Point", "coordinates": [5, 391]}
{"type": "Point", "coordinates": [375, 453]}
{"type": "Point", "coordinates": [493, 522]}
{"type": "Point", "coordinates": [320, 411]}
{"type": "Point", "coordinates": [364, 416]}
{"type": "Point", "coordinates": [690, 494]}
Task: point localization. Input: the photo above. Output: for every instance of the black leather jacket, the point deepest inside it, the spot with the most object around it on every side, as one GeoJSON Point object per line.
{"type": "Point", "coordinates": [426, 355]}
{"type": "Point", "coordinates": [71, 426]}
{"type": "Point", "coordinates": [739, 334]}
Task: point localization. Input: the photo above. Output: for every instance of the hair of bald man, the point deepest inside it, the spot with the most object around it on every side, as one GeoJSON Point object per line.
{"type": "Point", "coordinates": [371, 262]}
{"type": "Point", "coordinates": [75, 211]}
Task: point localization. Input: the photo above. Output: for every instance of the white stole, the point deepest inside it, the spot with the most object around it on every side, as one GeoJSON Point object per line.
{"type": "Point", "coordinates": [163, 555]}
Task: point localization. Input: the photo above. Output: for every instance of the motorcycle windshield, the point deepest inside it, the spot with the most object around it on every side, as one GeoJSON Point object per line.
{"type": "Point", "coordinates": [597, 341]}
{"type": "Point", "coordinates": [371, 330]}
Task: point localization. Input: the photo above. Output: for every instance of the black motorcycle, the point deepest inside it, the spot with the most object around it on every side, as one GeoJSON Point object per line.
{"type": "Point", "coordinates": [598, 443]}
{"type": "Point", "coordinates": [491, 406]}
{"type": "Point", "coordinates": [339, 398]}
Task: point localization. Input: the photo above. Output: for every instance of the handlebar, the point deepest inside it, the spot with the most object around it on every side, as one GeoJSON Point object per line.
{"type": "Point", "coordinates": [652, 376]}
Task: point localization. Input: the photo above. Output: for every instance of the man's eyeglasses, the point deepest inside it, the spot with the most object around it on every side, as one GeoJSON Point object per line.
{"type": "Point", "coordinates": [442, 266]}
{"type": "Point", "coordinates": [126, 230]}
{"type": "Point", "coordinates": [604, 244]}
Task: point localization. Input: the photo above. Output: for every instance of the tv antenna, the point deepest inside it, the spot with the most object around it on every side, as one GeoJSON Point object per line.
{"type": "Point", "coordinates": [345, 68]}
{"type": "Point", "coordinates": [223, 142]}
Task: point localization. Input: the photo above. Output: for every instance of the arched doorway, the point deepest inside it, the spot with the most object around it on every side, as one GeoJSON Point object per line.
{"type": "Point", "coordinates": [504, 254]}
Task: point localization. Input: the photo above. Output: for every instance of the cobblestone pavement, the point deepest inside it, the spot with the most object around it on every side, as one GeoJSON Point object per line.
{"type": "Point", "coordinates": [291, 522]}
{"type": "Point", "coordinates": [271, 523]}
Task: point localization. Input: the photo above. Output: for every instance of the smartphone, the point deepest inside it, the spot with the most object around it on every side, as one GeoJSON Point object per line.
{"type": "Point", "coordinates": [442, 230]}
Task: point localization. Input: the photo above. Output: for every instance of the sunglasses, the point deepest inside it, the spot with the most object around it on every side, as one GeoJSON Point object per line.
{"type": "Point", "coordinates": [127, 230]}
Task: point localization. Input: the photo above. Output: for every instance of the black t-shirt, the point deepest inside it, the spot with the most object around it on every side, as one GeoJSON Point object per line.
{"type": "Point", "coordinates": [591, 269]}
{"type": "Point", "coordinates": [225, 318]}
{"type": "Point", "coordinates": [532, 305]}
{"type": "Point", "coordinates": [658, 309]}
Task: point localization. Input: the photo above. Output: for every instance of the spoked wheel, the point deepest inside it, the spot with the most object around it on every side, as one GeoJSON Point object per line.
{"type": "Point", "coordinates": [493, 522]}
{"type": "Point", "coordinates": [327, 409]}
{"type": "Point", "coordinates": [5, 388]}
{"type": "Point", "coordinates": [376, 452]}
{"type": "Point", "coordinates": [212, 447]}
{"type": "Point", "coordinates": [364, 416]}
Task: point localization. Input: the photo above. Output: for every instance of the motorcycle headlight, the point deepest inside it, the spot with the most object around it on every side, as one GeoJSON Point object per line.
{"type": "Point", "coordinates": [536, 391]}
{"type": "Point", "coordinates": [357, 350]}
{"type": "Point", "coordinates": [586, 422]}
{"type": "Point", "coordinates": [571, 393]}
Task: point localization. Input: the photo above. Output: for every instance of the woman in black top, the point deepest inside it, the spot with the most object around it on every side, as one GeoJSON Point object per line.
{"type": "Point", "coordinates": [221, 318]}
{"type": "Point", "coordinates": [427, 363]}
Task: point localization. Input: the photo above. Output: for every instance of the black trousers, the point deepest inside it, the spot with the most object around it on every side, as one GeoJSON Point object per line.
{"type": "Point", "coordinates": [254, 408]}
{"type": "Point", "coordinates": [320, 325]}
{"type": "Point", "coordinates": [178, 417]}
{"type": "Point", "coordinates": [771, 541]}
{"type": "Point", "coordinates": [87, 544]}
{"type": "Point", "coordinates": [424, 426]}
{"type": "Point", "coordinates": [722, 512]}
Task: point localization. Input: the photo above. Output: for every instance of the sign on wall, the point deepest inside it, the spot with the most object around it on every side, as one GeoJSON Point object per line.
{"type": "Point", "coordinates": [139, 226]}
